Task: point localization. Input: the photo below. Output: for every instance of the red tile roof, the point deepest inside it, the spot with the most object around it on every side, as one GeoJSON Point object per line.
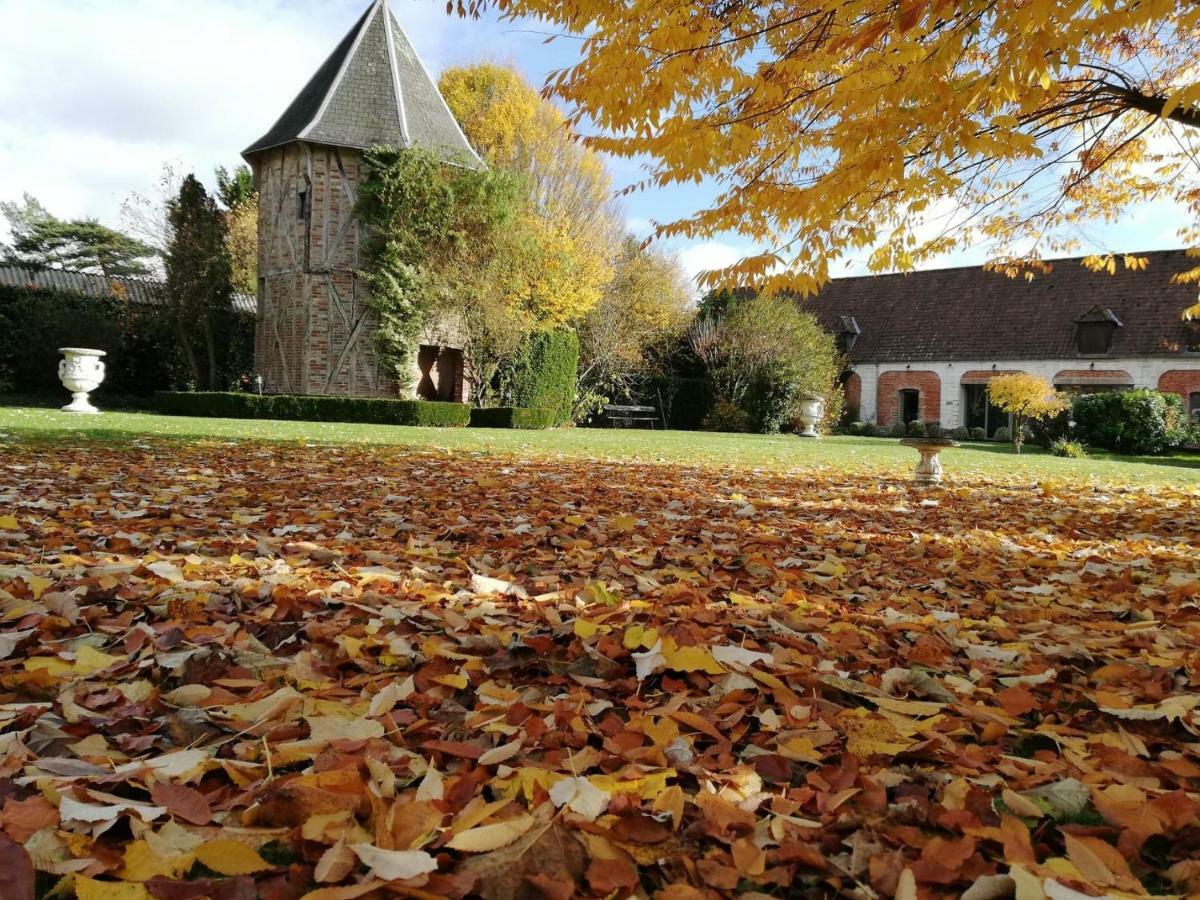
{"type": "Point", "coordinates": [975, 314]}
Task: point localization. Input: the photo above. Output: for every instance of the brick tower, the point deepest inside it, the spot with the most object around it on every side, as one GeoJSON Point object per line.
{"type": "Point", "coordinates": [315, 331]}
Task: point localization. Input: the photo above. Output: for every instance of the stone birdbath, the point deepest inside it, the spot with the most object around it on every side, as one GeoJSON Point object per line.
{"type": "Point", "coordinates": [929, 469]}
{"type": "Point", "coordinates": [81, 371]}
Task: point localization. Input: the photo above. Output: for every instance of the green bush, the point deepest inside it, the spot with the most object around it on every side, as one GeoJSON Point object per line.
{"type": "Point", "coordinates": [770, 402]}
{"type": "Point", "coordinates": [961, 433]}
{"type": "Point", "coordinates": [916, 428]}
{"type": "Point", "coordinates": [899, 429]}
{"type": "Point", "coordinates": [512, 417]}
{"type": "Point", "coordinates": [978, 434]}
{"type": "Point", "coordinates": [542, 374]}
{"type": "Point", "coordinates": [368, 410]}
{"type": "Point", "coordinates": [728, 417]}
{"type": "Point", "coordinates": [1003, 436]}
{"type": "Point", "coordinates": [1136, 422]}
{"type": "Point", "coordinates": [764, 355]}
{"type": "Point", "coordinates": [1068, 449]}
{"type": "Point", "coordinates": [856, 427]}
{"type": "Point", "coordinates": [870, 429]}
{"type": "Point", "coordinates": [933, 429]}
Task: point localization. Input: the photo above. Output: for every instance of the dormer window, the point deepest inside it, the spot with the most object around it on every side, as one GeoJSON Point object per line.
{"type": "Point", "coordinates": [1095, 332]}
{"type": "Point", "coordinates": [847, 334]}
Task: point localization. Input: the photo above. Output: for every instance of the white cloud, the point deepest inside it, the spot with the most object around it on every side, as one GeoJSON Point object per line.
{"type": "Point", "coordinates": [709, 255]}
{"type": "Point", "coordinates": [97, 95]}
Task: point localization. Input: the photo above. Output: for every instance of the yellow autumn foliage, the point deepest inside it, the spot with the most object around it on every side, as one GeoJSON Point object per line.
{"type": "Point", "coordinates": [892, 130]}
{"type": "Point", "coordinates": [570, 220]}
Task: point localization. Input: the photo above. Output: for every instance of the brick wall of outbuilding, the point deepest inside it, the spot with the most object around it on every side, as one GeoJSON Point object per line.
{"type": "Point", "coordinates": [891, 383]}
{"type": "Point", "coordinates": [853, 390]}
{"type": "Point", "coordinates": [1183, 382]}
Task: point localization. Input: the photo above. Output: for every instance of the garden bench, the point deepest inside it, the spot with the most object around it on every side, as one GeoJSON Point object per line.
{"type": "Point", "coordinates": [631, 416]}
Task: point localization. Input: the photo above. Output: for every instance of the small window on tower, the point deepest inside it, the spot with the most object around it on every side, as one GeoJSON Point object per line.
{"type": "Point", "coordinates": [302, 205]}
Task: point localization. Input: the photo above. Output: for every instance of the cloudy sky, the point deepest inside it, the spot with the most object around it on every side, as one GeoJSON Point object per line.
{"type": "Point", "coordinates": [97, 95]}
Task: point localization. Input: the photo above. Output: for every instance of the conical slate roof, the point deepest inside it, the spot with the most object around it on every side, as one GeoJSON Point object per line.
{"type": "Point", "coordinates": [373, 90]}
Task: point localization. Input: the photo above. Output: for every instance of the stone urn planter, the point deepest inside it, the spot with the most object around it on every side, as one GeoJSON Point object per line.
{"type": "Point", "coordinates": [812, 411]}
{"type": "Point", "coordinates": [81, 372]}
{"type": "Point", "coordinates": [929, 469]}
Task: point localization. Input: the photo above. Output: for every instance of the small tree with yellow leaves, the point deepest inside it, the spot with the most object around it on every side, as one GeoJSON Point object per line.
{"type": "Point", "coordinates": [1025, 397]}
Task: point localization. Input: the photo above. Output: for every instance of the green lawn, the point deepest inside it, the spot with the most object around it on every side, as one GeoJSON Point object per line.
{"type": "Point", "coordinates": [779, 453]}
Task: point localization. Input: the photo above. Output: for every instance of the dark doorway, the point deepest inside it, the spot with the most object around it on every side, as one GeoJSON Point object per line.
{"type": "Point", "coordinates": [910, 406]}
{"type": "Point", "coordinates": [441, 370]}
{"type": "Point", "coordinates": [980, 412]}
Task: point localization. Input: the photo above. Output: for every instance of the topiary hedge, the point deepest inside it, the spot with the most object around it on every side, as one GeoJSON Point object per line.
{"type": "Point", "coordinates": [543, 374]}
{"type": "Point", "coordinates": [368, 410]}
{"type": "Point", "coordinates": [1138, 422]}
{"type": "Point", "coordinates": [513, 417]}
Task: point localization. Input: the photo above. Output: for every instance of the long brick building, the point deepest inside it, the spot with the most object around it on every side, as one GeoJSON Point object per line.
{"type": "Point", "coordinates": [924, 345]}
{"type": "Point", "coordinates": [315, 330]}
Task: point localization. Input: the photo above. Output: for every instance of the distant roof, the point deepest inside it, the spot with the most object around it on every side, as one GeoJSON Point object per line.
{"type": "Point", "coordinates": [136, 290]}
{"type": "Point", "coordinates": [976, 314]}
{"type": "Point", "coordinates": [372, 90]}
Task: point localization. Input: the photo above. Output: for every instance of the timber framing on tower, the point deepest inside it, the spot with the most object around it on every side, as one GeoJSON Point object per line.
{"type": "Point", "coordinates": [315, 332]}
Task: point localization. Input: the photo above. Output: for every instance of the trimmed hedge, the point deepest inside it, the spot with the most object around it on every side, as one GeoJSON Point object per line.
{"type": "Point", "coordinates": [543, 374]}
{"type": "Point", "coordinates": [367, 410]}
{"type": "Point", "coordinates": [512, 417]}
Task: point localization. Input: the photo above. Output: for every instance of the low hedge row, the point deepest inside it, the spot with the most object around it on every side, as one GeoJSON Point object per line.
{"type": "Point", "coordinates": [368, 410]}
{"type": "Point", "coordinates": [514, 417]}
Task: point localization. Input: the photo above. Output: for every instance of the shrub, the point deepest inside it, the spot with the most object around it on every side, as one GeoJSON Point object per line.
{"type": "Point", "coordinates": [899, 429]}
{"type": "Point", "coordinates": [770, 402]}
{"type": "Point", "coordinates": [1068, 449]}
{"type": "Point", "coordinates": [727, 416]}
{"type": "Point", "coordinates": [856, 427]}
{"type": "Point", "coordinates": [369, 410]}
{"type": "Point", "coordinates": [933, 429]}
{"type": "Point", "coordinates": [543, 372]}
{"type": "Point", "coordinates": [916, 428]}
{"type": "Point", "coordinates": [512, 417]}
{"type": "Point", "coordinates": [961, 433]}
{"type": "Point", "coordinates": [1002, 436]}
{"type": "Point", "coordinates": [1137, 422]}
{"type": "Point", "coordinates": [870, 429]}
{"type": "Point", "coordinates": [978, 434]}
{"type": "Point", "coordinates": [764, 355]}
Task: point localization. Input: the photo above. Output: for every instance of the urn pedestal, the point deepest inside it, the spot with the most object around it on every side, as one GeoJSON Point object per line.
{"type": "Point", "coordinates": [929, 469]}
{"type": "Point", "coordinates": [812, 411]}
{"type": "Point", "coordinates": [81, 371]}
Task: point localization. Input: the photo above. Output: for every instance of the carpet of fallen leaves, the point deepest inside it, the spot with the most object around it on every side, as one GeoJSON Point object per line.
{"type": "Point", "coordinates": [234, 671]}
